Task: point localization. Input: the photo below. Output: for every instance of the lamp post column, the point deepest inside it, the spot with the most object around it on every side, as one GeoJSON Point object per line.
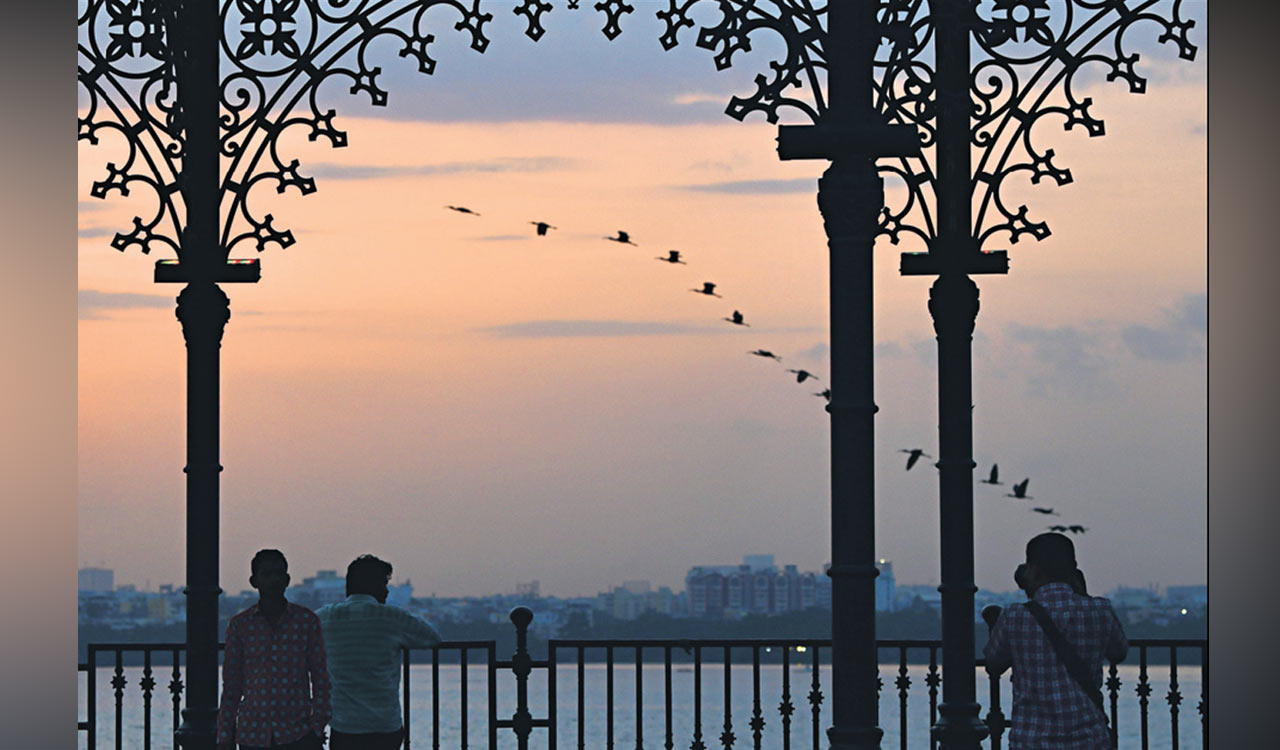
{"type": "Point", "coordinates": [203, 310]}
{"type": "Point", "coordinates": [953, 303]}
{"type": "Point", "coordinates": [850, 194]}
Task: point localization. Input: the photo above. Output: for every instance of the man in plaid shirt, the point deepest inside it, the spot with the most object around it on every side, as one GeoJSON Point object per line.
{"type": "Point", "coordinates": [1051, 711]}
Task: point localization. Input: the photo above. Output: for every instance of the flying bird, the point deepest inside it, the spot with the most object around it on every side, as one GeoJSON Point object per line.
{"type": "Point", "coordinates": [622, 237]}
{"type": "Point", "coordinates": [1020, 490]}
{"type": "Point", "coordinates": [825, 393]}
{"type": "Point", "coordinates": [995, 476]}
{"type": "Point", "coordinates": [803, 375]}
{"type": "Point", "coordinates": [1046, 511]}
{"type": "Point", "coordinates": [462, 210]}
{"type": "Point", "coordinates": [708, 288]}
{"type": "Point", "coordinates": [736, 319]}
{"type": "Point", "coordinates": [1057, 527]}
{"type": "Point", "coordinates": [1076, 528]}
{"type": "Point", "coordinates": [542, 227]}
{"type": "Point", "coordinates": [673, 256]}
{"type": "Point", "coordinates": [765, 353]}
{"type": "Point", "coordinates": [915, 454]}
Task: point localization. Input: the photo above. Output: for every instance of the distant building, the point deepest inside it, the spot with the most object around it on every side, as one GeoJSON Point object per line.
{"type": "Point", "coordinates": [325, 587]}
{"type": "Point", "coordinates": [96, 579]}
{"type": "Point", "coordinates": [527, 590]}
{"type": "Point", "coordinates": [886, 587]}
{"type": "Point", "coordinates": [756, 586]}
{"type": "Point", "coordinates": [1187, 596]}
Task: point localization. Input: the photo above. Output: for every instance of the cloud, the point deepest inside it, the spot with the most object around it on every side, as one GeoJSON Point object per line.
{"type": "Point", "coordinates": [558, 329]}
{"type": "Point", "coordinates": [1192, 313]}
{"type": "Point", "coordinates": [888, 349]}
{"type": "Point", "coordinates": [1177, 338]}
{"type": "Point", "coordinates": [820, 350]}
{"type": "Point", "coordinates": [1069, 358]}
{"type": "Point", "coordinates": [92, 303]}
{"type": "Point", "coordinates": [1163, 345]}
{"type": "Point", "coordinates": [96, 232]}
{"type": "Point", "coordinates": [803, 185]}
{"type": "Point", "coordinates": [501, 238]}
{"type": "Point", "coordinates": [331, 171]}
{"type": "Point", "coordinates": [698, 98]}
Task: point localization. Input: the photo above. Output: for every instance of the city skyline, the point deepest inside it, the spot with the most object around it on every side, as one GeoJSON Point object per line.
{"type": "Point", "coordinates": [438, 389]}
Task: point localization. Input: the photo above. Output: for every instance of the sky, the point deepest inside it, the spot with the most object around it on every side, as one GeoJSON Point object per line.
{"type": "Point", "coordinates": [483, 407]}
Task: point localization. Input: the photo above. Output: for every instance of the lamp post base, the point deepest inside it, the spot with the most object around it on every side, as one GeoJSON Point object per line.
{"type": "Point", "coordinates": [199, 730]}
{"type": "Point", "coordinates": [959, 727]}
{"type": "Point", "coordinates": [854, 739]}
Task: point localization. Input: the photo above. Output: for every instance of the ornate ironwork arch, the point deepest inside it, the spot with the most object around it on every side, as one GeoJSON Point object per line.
{"type": "Point", "coordinates": [1028, 59]}
{"type": "Point", "coordinates": [277, 54]}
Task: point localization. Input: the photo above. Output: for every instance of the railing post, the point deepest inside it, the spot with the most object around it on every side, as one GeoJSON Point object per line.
{"type": "Point", "coordinates": [995, 717]}
{"type": "Point", "coordinates": [521, 665]}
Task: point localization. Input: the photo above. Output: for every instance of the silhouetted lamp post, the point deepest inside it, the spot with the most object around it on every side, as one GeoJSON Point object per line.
{"type": "Point", "coordinates": [200, 93]}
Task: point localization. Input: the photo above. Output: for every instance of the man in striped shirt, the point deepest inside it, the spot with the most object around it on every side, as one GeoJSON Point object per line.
{"type": "Point", "coordinates": [363, 638]}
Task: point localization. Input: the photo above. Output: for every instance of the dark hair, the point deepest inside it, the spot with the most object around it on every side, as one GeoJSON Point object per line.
{"type": "Point", "coordinates": [1054, 555]}
{"type": "Point", "coordinates": [264, 554]}
{"type": "Point", "coordinates": [367, 574]}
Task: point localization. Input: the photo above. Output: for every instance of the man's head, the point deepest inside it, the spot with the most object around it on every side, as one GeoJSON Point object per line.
{"type": "Point", "coordinates": [1051, 558]}
{"type": "Point", "coordinates": [368, 575]}
{"type": "Point", "coordinates": [269, 572]}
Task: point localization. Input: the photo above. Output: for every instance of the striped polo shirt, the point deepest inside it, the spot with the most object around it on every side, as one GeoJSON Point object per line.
{"type": "Point", "coordinates": [363, 641]}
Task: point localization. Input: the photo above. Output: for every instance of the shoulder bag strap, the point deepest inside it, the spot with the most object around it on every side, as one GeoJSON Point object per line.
{"type": "Point", "coordinates": [1075, 666]}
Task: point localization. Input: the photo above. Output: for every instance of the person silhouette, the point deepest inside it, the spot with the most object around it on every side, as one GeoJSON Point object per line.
{"type": "Point", "coordinates": [275, 683]}
{"type": "Point", "coordinates": [1055, 644]}
{"type": "Point", "coordinates": [365, 636]}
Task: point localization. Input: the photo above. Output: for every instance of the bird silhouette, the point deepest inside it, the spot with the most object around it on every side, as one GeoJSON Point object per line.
{"type": "Point", "coordinates": [995, 476]}
{"type": "Point", "coordinates": [915, 454]}
{"type": "Point", "coordinates": [1076, 528]}
{"type": "Point", "coordinates": [462, 210]}
{"type": "Point", "coordinates": [622, 237]}
{"type": "Point", "coordinates": [736, 319]}
{"type": "Point", "coordinates": [765, 353]}
{"type": "Point", "coordinates": [542, 227]}
{"type": "Point", "coordinates": [673, 256]}
{"type": "Point", "coordinates": [708, 288]}
{"type": "Point", "coordinates": [1020, 490]}
{"type": "Point", "coordinates": [1057, 527]}
{"type": "Point", "coordinates": [803, 375]}
{"type": "Point", "coordinates": [825, 393]}
{"type": "Point", "coordinates": [1046, 511]}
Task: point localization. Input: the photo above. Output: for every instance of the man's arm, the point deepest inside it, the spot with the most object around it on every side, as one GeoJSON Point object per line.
{"type": "Point", "coordinates": [317, 666]}
{"type": "Point", "coordinates": [1117, 645]}
{"type": "Point", "coordinates": [232, 686]}
{"type": "Point", "coordinates": [415, 631]}
{"type": "Point", "coordinates": [997, 653]}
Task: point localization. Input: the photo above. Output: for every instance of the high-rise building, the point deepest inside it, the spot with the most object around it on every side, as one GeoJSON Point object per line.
{"type": "Point", "coordinates": [886, 588]}
{"type": "Point", "coordinates": [756, 586]}
{"type": "Point", "coordinates": [96, 579]}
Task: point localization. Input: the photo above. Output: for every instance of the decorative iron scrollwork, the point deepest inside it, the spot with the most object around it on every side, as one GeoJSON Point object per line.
{"type": "Point", "coordinates": [279, 54]}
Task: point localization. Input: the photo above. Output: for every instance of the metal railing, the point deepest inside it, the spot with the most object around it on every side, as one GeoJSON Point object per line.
{"type": "Point", "coordinates": [698, 656]}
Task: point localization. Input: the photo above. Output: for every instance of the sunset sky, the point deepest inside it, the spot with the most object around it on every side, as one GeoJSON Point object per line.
{"type": "Point", "coordinates": [482, 407]}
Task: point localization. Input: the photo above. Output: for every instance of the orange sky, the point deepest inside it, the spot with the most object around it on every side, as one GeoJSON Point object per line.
{"type": "Point", "coordinates": [386, 388]}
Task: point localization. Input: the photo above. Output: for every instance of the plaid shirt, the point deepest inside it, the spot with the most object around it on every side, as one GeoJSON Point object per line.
{"type": "Point", "coordinates": [266, 673]}
{"type": "Point", "coordinates": [1051, 711]}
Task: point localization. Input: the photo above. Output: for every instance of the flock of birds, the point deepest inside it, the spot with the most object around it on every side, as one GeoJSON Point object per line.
{"type": "Point", "coordinates": [1019, 490]}
{"type": "Point", "coordinates": [708, 289]}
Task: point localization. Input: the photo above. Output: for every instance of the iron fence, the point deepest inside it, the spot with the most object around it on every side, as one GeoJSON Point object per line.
{"type": "Point", "coordinates": [805, 659]}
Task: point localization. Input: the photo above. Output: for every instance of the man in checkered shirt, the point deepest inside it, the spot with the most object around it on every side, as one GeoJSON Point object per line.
{"type": "Point", "coordinates": [1050, 709]}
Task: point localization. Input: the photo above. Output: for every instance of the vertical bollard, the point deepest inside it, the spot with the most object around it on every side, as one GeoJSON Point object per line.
{"type": "Point", "coordinates": [522, 720]}
{"type": "Point", "coordinates": [995, 718]}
